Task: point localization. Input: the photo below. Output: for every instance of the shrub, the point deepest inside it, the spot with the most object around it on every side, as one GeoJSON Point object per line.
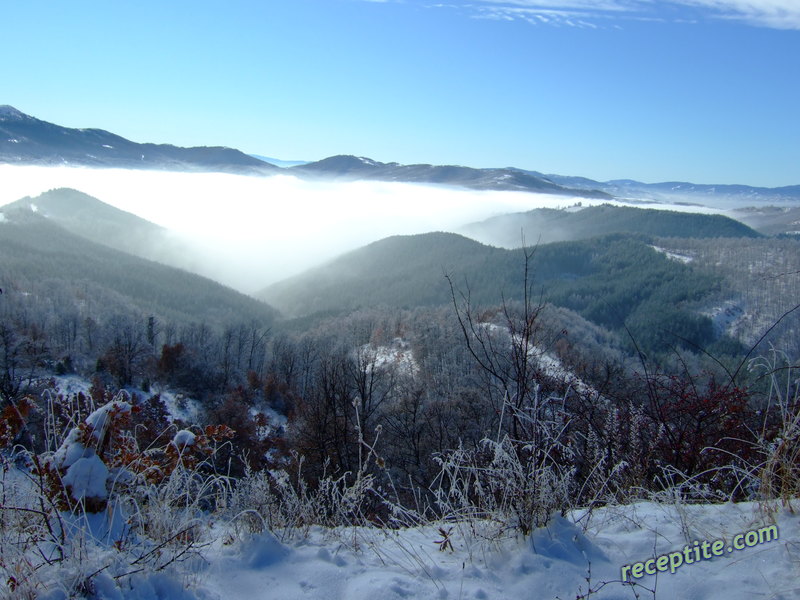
{"type": "Point", "coordinates": [65, 508]}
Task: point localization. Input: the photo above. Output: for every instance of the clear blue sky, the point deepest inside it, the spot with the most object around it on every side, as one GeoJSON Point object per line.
{"type": "Point", "coordinates": [700, 90]}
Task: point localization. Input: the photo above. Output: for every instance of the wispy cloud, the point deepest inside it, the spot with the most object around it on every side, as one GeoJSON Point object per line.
{"type": "Point", "coordinates": [776, 14]}
{"type": "Point", "coordinates": [571, 13]}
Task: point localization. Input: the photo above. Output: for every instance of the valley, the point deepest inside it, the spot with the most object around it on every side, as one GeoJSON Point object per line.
{"type": "Point", "coordinates": [262, 357]}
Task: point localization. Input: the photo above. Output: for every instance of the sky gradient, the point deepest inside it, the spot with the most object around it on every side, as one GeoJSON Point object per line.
{"type": "Point", "coordinates": [695, 90]}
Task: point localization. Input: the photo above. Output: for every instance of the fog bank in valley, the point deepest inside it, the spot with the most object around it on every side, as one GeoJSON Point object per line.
{"type": "Point", "coordinates": [250, 231]}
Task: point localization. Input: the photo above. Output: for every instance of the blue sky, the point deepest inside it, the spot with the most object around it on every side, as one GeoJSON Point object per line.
{"type": "Point", "coordinates": [699, 90]}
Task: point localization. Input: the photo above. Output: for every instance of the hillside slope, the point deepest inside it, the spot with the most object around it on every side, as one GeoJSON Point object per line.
{"type": "Point", "coordinates": [96, 221]}
{"type": "Point", "coordinates": [545, 225]}
{"type": "Point", "coordinates": [46, 262]}
{"type": "Point", "coordinates": [615, 281]}
{"type": "Point", "coordinates": [397, 271]}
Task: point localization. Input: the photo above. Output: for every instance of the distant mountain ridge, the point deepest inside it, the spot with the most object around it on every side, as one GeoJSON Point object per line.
{"type": "Point", "coordinates": [626, 188]}
{"type": "Point", "coordinates": [27, 140]}
{"type": "Point", "coordinates": [506, 179]}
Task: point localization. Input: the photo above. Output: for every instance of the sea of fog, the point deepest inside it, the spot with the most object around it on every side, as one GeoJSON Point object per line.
{"type": "Point", "coordinates": [250, 231]}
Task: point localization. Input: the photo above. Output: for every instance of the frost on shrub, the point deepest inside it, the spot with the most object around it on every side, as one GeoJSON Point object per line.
{"type": "Point", "coordinates": [183, 439]}
{"type": "Point", "coordinates": [504, 481]}
{"type": "Point", "coordinates": [66, 509]}
{"type": "Point", "coordinates": [775, 471]}
{"type": "Point", "coordinates": [88, 459]}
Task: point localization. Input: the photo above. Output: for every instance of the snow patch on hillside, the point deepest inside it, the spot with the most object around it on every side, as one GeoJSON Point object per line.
{"type": "Point", "coordinates": [547, 362]}
{"type": "Point", "coordinates": [683, 258]}
{"type": "Point", "coordinates": [397, 354]}
{"type": "Point", "coordinates": [179, 406]}
{"type": "Point", "coordinates": [728, 317]}
{"type": "Point", "coordinates": [71, 384]}
{"type": "Point", "coordinates": [553, 367]}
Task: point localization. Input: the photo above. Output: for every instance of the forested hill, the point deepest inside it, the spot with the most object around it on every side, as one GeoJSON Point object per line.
{"type": "Point", "coordinates": [96, 221]}
{"type": "Point", "coordinates": [396, 271]}
{"type": "Point", "coordinates": [547, 225]}
{"type": "Point", "coordinates": [614, 281]}
{"type": "Point", "coordinates": [43, 261]}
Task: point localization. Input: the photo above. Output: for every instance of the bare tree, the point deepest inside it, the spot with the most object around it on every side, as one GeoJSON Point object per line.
{"type": "Point", "coordinates": [506, 353]}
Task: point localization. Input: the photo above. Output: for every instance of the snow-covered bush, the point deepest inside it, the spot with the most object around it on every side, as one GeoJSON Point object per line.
{"type": "Point", "coordinates": [90, 460]}
{"type": "Point", "coordinates": [98, 510]}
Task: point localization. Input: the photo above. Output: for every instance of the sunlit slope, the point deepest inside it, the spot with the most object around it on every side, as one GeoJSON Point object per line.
{"type": "Point", "coordinates": [27, 140]}
{"type": "Point", "coordinates": [509, 179]}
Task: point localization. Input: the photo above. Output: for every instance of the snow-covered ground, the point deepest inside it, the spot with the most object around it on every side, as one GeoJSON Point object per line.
{"type": "Point", "coordinates": [573, 556]}
{"type": "Point", "coordinates": [548, 362]}
{"type": "Point", "coordinates": [178, 405]}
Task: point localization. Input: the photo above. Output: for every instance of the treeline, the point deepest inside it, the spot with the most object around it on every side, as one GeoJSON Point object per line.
{"type": "Point", "coordinates": [44, 260]}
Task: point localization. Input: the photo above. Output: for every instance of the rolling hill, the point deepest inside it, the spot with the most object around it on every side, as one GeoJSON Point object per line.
{"type": "Point", "coordinates": [545, 225]}
{"type": "Point", "coordinates": [46, 263]}
{"type": "Point", "coordinates": [96, 221]}
{"type": "Point", "coordinates": [616, 281]}
{"type": "Point", "coordinates": [397, 271]}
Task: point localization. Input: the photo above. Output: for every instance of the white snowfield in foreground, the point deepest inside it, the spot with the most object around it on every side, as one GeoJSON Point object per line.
{"type": "Point", "coordinates": [551, 563]}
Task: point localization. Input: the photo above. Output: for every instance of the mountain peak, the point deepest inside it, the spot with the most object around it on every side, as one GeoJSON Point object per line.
{"type": "Point", "coordinates": [343, 165]}
{"type": "Point", "coordinates": [9, 112]}
{"type": "Point", "coordinates": [348, 160]}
